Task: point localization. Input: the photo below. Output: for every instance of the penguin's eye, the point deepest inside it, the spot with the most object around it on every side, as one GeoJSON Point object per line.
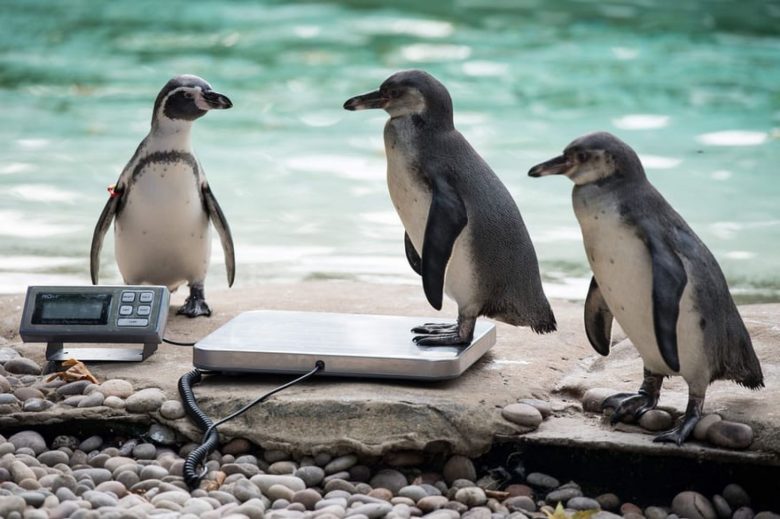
{"type": "Point", "coordinates": [393, 93]}
{"type": "Point", "coordinates": [582, 156]}
{"type": "Point", "coordinates": [189, 95]}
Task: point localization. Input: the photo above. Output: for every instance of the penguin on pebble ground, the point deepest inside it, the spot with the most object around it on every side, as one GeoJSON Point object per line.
{"type": "Point", "coordinates": [464, 233]}
{"type": "Point", "coordinates": [163, 204]}
{"type": "Point", "coordinates": [656, 278]}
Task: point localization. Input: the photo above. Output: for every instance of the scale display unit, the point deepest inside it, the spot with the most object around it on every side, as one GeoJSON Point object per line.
{"type": "Point", "coordinates": [351, 345]}
{"type": "Point", "coordinates": [123, 314]}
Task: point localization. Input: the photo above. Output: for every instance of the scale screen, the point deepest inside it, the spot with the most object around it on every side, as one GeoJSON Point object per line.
{"type": "Point", "coordinates": [71, 309]}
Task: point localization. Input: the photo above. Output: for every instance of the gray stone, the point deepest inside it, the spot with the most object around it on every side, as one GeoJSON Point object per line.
{"type": "Point", "coordinates": [116, 387]}
{"type": "Point", "coordinates": [542, 406]}
{"type": "Point", "coordinates": [145, 401]}
{"type": "Point", "coordinates": [99, 499]}
{"type": "Point", "coordinates": [71, 442]}
{"type": "Point", "coordinates": [584, 503]}
{"type": "Point", "coordinates": [457, 467]}
{"type": "Point", "coordinates": [244, 490]}
{"type": "Point", "coordinates": [161, 434]}
{"type": "Point", "coordinates": [114, 402]}
{"type": "Point", "coordinates": [371, 510]}
{"type": "Point", "coordinates": [655, 512]}
{"type": "Point", "coordinates": [237, 447]}
{"type": "Point", "coordinates": [471, 496]}
{"type": "Point", "coordinates": [282, 467]}
{"type": "Point", "coordinates": [340, 464]}
{"type": "Point", "coordinates": [96, 475]}
{"type": "Point", "coordinates": [8, 398]}
{"type": "Point", "coordinates": [7, 354]}
{"type": "Point", "coordinates": [309, 498]}
{"type": "Point", "coordinates": [413, 492]}
{"type": "Point", "coordinates": [277, 491]}
{"type": "Point", "coordinates": [253, 509]}
{"type": "Point", "coordinates": [30, 439]}
{"type": "Point", "coordinates": [5, 386]}
{"type": "Point", "coordinates": [19, 472]}
{"type": "Point", "coordinates": [92, 443]}
{"type": "Point", "coordinates": [594, 397]}
{"type": "Point", "coordinates": [520, 504]}
{"type": "Point", "coordinates": [340, 484]}
{"type": "Point", "coordinates": [115, 487]}
{"type": "Point", "coordinates": [11, 504]}
{"type": "Point", "coordinates": [73, 401]}
{"type": "Point", "coordinates": [311, 475]}
{"type": "Point", "coordinates": [562, 495]}
{"type": "Point", "coordinates": [265, 481]}
{"type": "Point", "coordinates": [656, 420]}
{"type": "Point", "coordinates": [93, 399]}
{"type": "Point", "coordinates": [766, 515]}
{"type": "Point", "coordinates": [605, 515]}
{"type": "Point", "coordinates": [26, 393]}
{"type": "Point", "coordinates": [730, 435]}
{"type": "Point", "coordinates": [22, 366]}
{"type": "Point", "coordinates": [430, 503]}
{"type": "Point", "coordinates": [744, 512]}
{"type": "Point", "coordinates": [479, 512]}
{"type": "Point", "coordinates": [522, 414]}
{"type": "Point", "coordinates": [692, 505]}
{"type": "Point", "coordinates": [703, 425]}
{"type": "Point", "coordinates": [152, 472]}
{"type": "Point", "coordinates": [608, 501]}
{"type": "Point", "coordinates": [52, 458]}
{"type": "Point", "coordinates": [144, 451]}
{"type": "Point", "coordinates": [736, 496]}
{"type": "Point", "coordinates": [34, 405]}
{"type": "Point", "coordinates": [73, 388]}
{"type": "Point", "coordinates": [390, 479]}
{"type": "Point", "coordinates": [542, 481]}
{"type": "Point", "coordinates": [722, 508]}
{"type": "Point", "coordinates": [172, 410]}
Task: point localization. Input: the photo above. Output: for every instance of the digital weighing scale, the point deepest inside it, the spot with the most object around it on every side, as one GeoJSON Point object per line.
{"type": "Point", "coordinates": [351, 345]}
{"type": "Point", "coordinates": [105, 314]}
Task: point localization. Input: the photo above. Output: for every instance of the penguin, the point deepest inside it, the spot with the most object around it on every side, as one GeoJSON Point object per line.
{"type": "Point", "coordinates": [653, 275]}
{"type": "Point", "coordinates": [162, 203]}
{"type": "Point", "coordinates": [463, 231]}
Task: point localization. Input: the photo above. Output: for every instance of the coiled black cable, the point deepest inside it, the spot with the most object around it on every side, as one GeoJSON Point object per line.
{"type": "Point", "coordinates": [210, 437]}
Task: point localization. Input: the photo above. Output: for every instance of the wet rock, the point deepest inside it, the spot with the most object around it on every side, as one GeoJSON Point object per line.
{"type": "Point", "coordinates": [172, 410]}
{"type": "Point", "coordinates": [656, 420]}
{"type": "Point", "coordinates": [390, 479]}
{"type": "Point", "coordinates": [92, 443]}
{"type": "Point", "coordinates": [22, 366]}
{"type": "Point", "coordinates": [522, 414]}
{"type": "Point", "coordinates": [593, 398]}
{"type": "Point", "coordinates": [693, 505]}
{"type": "Point", "coordinates": [703, 425]}
{"type": "Point", "coordinates": [542, 481]}
{"type": "Point", "coordinates": [457, 467]}
{"type": "Point", "coordinates": [116, 387]}
{"type": "Point", "coordinates": [29, 439]}
{"type": "Point", "coordinates": [722, 508]}
{"type": "Point", "coordinates": [145, 401]}
{"type": "Point", "coordinates": [730, 435]}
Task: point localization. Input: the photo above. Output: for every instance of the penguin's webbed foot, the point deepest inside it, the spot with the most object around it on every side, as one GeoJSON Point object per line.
{"type": "Point", "coordinates": [436, 329]}
{"type": "Point", "coordinates": [195, 305]}
{"type": "Point", "coordinates": [680, 433]}
{"type": "Point", "coordinates": [631, 405]}
{"type": "Point", "coordinates": [441, 339]}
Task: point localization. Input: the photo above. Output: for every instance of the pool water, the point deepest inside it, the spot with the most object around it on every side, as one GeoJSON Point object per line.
{"type": "Point", "coordinates": [693, 86]}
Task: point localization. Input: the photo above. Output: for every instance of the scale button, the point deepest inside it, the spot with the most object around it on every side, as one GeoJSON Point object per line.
{"type": "Point", "coordinates": [125, 310]}
{"type": "Point", "coordinates": [128, 297]}
{"type": "Point", "coordinates": [132, 322]}
{"type": "Point", "coordinates": [146, 297]}
{"type": "Point", "coordinates": [144, 310]}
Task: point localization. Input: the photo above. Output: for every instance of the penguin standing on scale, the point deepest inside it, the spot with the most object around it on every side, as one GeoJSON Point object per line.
{"type": "Point", "coordinates": [163, 204]}
{"type": "Point", "coordinates": [464, 233]}
{"type": "Point", "coordinates": [656, 278]}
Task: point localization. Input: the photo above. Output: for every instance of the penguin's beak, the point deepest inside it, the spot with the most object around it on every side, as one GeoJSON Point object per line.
{"type": "Point", "coordinates": [556, 166]}
{"type": "Point", "coordinates": [214, 101]}
{"type": "Point", "coordinates": [365, 101]}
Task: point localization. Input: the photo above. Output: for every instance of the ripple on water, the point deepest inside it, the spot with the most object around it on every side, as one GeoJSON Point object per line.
{"type": "Point", "coordinates": [641, 122]}
{"type": "Point", "coordinates": [733, 138]}
{"type": "Point", "coordinates": [22, 226]}
{"type": "Point", "coordinates": [43, 193]}
{"type": "Point", "coordinates": [428, 52]}
{"type": "Point", "coordinates": [344, 166]}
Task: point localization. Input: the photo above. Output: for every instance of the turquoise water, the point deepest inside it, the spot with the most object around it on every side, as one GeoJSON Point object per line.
{"type": "Point", "coordinates": [693, 86]}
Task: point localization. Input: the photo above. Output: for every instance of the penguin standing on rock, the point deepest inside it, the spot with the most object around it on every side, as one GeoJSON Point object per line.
{"type": "Point", "coordinates": [656, 277]}
{"type": "Point", "coordinates": [163, 204]}
{"type": "Point", "coordinates": [464, 234]}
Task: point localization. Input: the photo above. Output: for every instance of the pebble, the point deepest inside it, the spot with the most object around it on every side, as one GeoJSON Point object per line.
{"type": "Point", "coordinates": [282, 467]}
{"type": "Point", "coordinates": [743, 512]}
{"type": "Point", "coordinates": [161, 434]}
{"type": "Point", "coordinates": [371, 510]}
{"type": "Point", "coordinates": [413, 492]}
{"type": "Point", "coordinates": [265, 481]}
{"type": "Point", "coordinates": [73, 388]}
{"type": "Point", "coordinates": [237, 447]}
{"type": "Point", "coordinates": [11, 504]}
{"type": "Point", "coordinates": [766, 515]}
{"type": "Point", "coordinates": [152, 472]}
{"type": "Point", "coordinates": [92, 443]}
{"type": "Point", "coordinates": [471, 496]}
{"type": "Point", "coordinates": [172, 410]}
{"type": "Point", "coordinates": [542, 406]}
{"type": "Point", "coordinates": [35, 405]}
{"type": "Point", "coordinates": [584, 503]}
{"type": "Point", "coordinates": [736, 496]}
{"type": "Point", "coordinates": [114, 402]}
{"type": "Point", "coordinates": [520, 504]}
{"type": "Point", "coordinates": [29, 439]}
{"type": "Point", "coordinates": [26, 393]}
{"type": "Point", "coordinates": [144, 451]}
{"type": "Point", "coordinates": [562, 495]}
{"type": "Point", "coordinates": [116, 387]}
{"type": "Point", "coordinates": [594, 397]}
{"type": "Point", "coordinates": [522, 414]}
{"type": "Point", "coordinates": [5, 386]}
{"type": "Point", "coordinates": [340, 464]}
{"type": "Point", "coordinates": [145, 401]}
{"type": "Point", "coordinates": [99, 499]}
{"type": "Point", "coordinates": [655, 512]}
{"type": "Point", "coordinates": [656, 420]}
{"type": "Point", "coordinates": [94, 399]}
{"type": "Point", "coordinates": [22, 366]}
{"type": "Point", "coordinates": [390, 479]}
{"type": "Point", "coordinates": [630, 508]}
{"type": "Point", "coordinates": [457, 467]}
{"type": "Point", "coordinates": [730, 435]}
{"type": "Point", "coordinates": [312, 475]}
{"type": "Point", "coordinates": [722, 508]}
{"type": "Point", "coordinates": [692, 505]}
{"type": "Point", "coordinates": [704, 424]}
{"type": "Point", "coordinates": [274, 455]}
{"type": "Point", "coordinates": [52, 458]}
{"type": "Point", "coordinates": [517, 489]}
{"type": "Point", "coordinates": [543, 481]}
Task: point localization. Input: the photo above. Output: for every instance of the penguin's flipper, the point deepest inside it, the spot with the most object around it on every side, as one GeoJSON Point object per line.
{"type": "Point", "coordinates": [103, 223]}
{"type": "Point", "coordinates": [598, 319]}
{"type": "Point", "coordinates": [411, 255]}
{"type": "Point", "coordinates": [669, 280]}
{"type": "Point", "coordinates": [446, 219]}
{"type": "Point", "coordinates": [223, 229]}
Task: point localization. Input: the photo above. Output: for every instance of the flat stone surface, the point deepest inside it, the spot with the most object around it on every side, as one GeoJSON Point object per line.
{"type": "Point", "coordinates": [374, 417]}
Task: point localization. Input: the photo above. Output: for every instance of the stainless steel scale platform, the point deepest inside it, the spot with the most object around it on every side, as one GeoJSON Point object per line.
{"type": "Point", "coordinates": [351, 345]}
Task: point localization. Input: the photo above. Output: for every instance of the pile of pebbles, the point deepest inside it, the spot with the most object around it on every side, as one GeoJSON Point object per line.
{"type": "Point", "coordinates": [127, 478]}
{"type": "Point", "coordinates": [711, 428]}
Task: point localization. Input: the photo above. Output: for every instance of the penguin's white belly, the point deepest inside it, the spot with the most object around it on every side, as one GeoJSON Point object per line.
{"type": "Point", "coordinates": [412, 201]}
{"type": "Point", "coordinates": [622, 266]}
{"type": "Point", "coordinates": [162, 234]}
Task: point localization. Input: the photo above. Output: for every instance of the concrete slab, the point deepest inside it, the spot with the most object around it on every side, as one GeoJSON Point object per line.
{"type": "Point", "coordinates": [374, 418]}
